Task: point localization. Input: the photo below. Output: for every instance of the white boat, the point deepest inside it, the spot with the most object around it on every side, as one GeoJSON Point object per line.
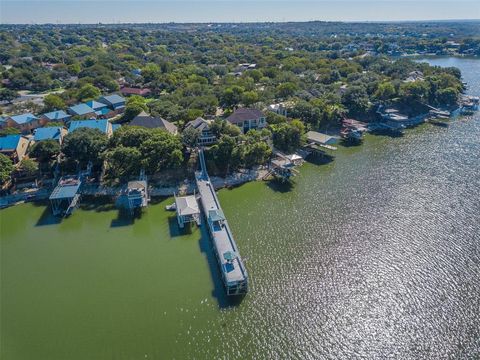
{"type": "Point", "coordinates": [171, 207]}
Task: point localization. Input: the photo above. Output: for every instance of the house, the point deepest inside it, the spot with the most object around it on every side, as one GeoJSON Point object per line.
{"type": "Point", "coordinates": [126, 91]}
{"type": "Point", "coordinates": [115, 102]}
{"type": "Point", "coordinates": [102, 111]}
{"type": "Point", "coordinates": [103, 125]}
{"type": "Point", "coordinates": [3, 122]}
{"type": "Point", "coordinates": [248, 119]}
{"type": "Point", "coordinates": [206, 136]}
{"type": "Point", "coordinates": [82, 111]}
{"type": "Point", "coordinates": [280, 109]}
{"type": "Point", "coordinates": [151, 122]}
{"type": "Point", "coordinates": [56, 116]}
{"type": "Point", "coordinates": [95, 105]}
{"type": "Point", "coordinates": [14, 146]}
{"type": "Point", "coordinates": [24, 122]}
{"type": "Point", "coordinates": [56, 133]}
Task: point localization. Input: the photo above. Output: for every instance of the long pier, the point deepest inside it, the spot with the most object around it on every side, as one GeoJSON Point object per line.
{"type": "Point", "coordinates": [234, 274]}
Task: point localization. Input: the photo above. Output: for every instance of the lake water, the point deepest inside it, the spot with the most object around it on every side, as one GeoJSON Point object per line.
{"type": "Point", "coordinates": [374, 255]}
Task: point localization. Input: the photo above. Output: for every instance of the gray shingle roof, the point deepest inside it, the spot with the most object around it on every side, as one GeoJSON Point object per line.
{"type": "Point", "coordinates": [151, 122]}
{"type": "Point", "coordinates": [243, 114]}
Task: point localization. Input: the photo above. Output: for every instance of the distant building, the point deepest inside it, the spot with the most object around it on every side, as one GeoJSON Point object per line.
{"type": "Point", "coordinates": [206, 136]}
{"type": "Point", "coordinates": [56, 133]}
{"type": "Point", "coordinates": [126, 91]}
{"type": "Point", "coordinates": [83, 111]}
{"type": "Point", "coordinates": [56, 116]}
{"type": "Point", "coordinates": [24, 122]}
{"type": "Point", "coordinates": [14, 146]}
{"type": "Point", "coordinates": [279, 109]}
{"type": "Point", "coordinates": [103, 125]}
{"type": "Point", "coordinates": [248, 119]}
{"type": "Point", "coordinates": [151, 122]}
{"type": "Point", "coordinates": [115, 102]}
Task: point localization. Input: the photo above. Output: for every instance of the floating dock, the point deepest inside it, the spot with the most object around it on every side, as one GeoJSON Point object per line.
{"type": "Point", "coordinates": [234, 274]}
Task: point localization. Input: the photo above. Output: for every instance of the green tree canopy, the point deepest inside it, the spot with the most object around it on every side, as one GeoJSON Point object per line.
{"type": "Point", "coordinates": [6, 168]}
{"type": "Point", "coordinates": [85, 145]}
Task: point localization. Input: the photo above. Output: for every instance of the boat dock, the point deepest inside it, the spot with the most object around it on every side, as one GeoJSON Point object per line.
{"type": "Point", "coordinates": [234, 274]}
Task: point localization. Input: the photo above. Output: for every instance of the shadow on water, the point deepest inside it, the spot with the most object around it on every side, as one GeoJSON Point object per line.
{"type": "Point", "coordinates": [386, 132]}
{"type": "Point", "coordinates": [280, 186]}
{"type": "Point", "coordinates": [218, 292]}
{"type": "Point", "coordinates": [125, 218]}
{"type": "Point", "coordinates": [320, 158]}
{"type": "Point", "coordinates": [351, 143]}
{"type": "Point", "coordinates": [439, 124]}
{"type": "Point", "coordinates": [47, 217]}
{"type": "Point", "coordinates": [175, 229]}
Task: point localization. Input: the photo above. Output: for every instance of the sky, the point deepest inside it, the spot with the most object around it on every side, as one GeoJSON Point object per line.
{"type": "Point", "coordinates": [161, 11]}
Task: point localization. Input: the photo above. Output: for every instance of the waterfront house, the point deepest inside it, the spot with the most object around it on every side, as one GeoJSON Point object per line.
{"type": "Point", "coordinates": [103, 125]}
{"type": "Point", "coordinates": [14, 146]}
{"type": "Point", "coordinates": [206, 137]}
{"type": "Point", "coordinates": [56, 133]}
{"type": "Point", "coordinates": [82, 111]}
{"type": "Point", "coordinates": [247, 119]}
{"type": "Point", "coordinates": [115, 102]}
{"type": "Point", "coordinates": [151, 122]}
{"type": "Point", "coordinates": [58, 115]}
{"type": "Point", "coordinates": [126, 91]}
{"type": "Point", "coordinates": [24, 122]}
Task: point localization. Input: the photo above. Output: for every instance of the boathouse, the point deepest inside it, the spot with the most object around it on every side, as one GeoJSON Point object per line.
{"type": "Point", "coordinates": [66, 195]}
{"type": "Point", "coordinates": [187, 210]}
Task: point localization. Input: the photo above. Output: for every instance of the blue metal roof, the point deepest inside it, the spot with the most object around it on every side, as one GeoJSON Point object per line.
{"type": "Point", "coordinates": [9, 142]}
{"type": "Point", "coordinates": [95, 105]}
{"type": "Point", "coordinates": [101, 125]}
{"type": "Point", "coordinates": [57, 115]}
{"type": "Point", "coordinates": [103, 111]}
{"type": "Point", "coordinates": [48, 133]}
{"type": "Point", "coordinates": [113, 99]}
{"type": "Point", "coordinates": [23, 118]}
{"type": "Point", "coordinates": [81, 109]}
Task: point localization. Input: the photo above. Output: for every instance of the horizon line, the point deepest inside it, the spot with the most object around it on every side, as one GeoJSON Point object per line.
{"type": "Point", "coordinates": [247, 22]}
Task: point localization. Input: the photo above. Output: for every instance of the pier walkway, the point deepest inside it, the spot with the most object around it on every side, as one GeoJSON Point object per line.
{"type": "Point", "coordinates": [234, 274]}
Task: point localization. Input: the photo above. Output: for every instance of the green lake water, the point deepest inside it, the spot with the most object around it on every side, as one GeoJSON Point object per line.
{"type": "Point", "coordinates": [373, 255]}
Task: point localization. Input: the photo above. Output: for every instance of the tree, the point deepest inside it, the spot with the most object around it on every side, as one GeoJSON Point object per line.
{"type": "Point", "coordinates": [8, 95]}
{"type": "Point", "coordinates": [385, 91]}
{"type": "Point", "coordinates": [356, 100]}
{"type": "Point", "coordinates": [45, 150]}
{"type": "Point", "coordinates": [414, 91]}
{"type": "Point", "coordinates": [88, 92]}
{"type": "Point", "coordinates": [190, 136]}
{"type": "Point", "coordinates": [9, 131]}
{"type": "Point", "coordinates": [85, 145]}
{"type": "Point", "coordinates": [287, 137]}
{"type": "Point", "coordinates": [27, 168]}
{"type": "Point", "coordinates": [249, 98]}
{"type": "Point", "coordinates": [6, 168]}
{"type": "Point", "coordinates": [161, 150]}
{"type": "Point", "coordinates": [448, 96]}
{"type": "Point", "coordinates": [53, 102]}
{"type": "Point", "coordinates": [124, 161]}
{"type": "Point", "coordinates": [286, 89]}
